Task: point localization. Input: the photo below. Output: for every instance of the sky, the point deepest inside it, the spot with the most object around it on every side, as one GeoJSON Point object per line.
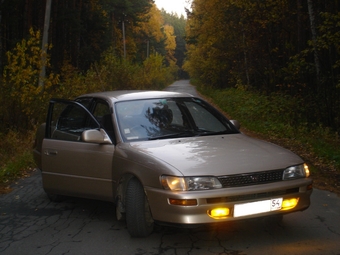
{"type": "Point", "coordinates": [169, 6]}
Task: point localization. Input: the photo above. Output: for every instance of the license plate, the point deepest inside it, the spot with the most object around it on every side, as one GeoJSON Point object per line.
{"type": "Point", "coordinates": [257, 207]}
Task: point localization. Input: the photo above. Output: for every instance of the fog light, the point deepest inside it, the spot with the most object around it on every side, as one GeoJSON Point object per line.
{"type": "Point", "coordinates": [219, 213]}
{"type": "Point", "coordinates": [289, 203]}
{"type": "Point", "coordinates": [183, 202]}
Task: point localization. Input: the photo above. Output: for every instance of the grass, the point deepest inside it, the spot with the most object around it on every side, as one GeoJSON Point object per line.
{"type": "Point", "coordinates": [17, 167]}
{"type": "Point", "coordinates": [16, 158]}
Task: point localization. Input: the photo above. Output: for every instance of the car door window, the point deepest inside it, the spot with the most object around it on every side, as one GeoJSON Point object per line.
{"type": "Point", "coordinates": [68, 120]}
{"type": "Point", "coordinates": [102, 113]}
{"type": "Point", "coordinates": [101, 109]}
{"type": "Point", "coordinates": [87, 102]}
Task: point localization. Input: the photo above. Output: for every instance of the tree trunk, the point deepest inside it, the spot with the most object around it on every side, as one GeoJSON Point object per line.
{"type": "Point", "coordinates": [245, 60]}
{"type": "Point", "coordinates": [1, 45]}
{"type": "Point", "coordinates": [314, 37]}
{"type": "Point", "coordinates": [45, 43]}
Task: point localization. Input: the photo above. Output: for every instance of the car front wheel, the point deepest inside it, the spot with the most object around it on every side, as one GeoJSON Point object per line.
{"type": "Point", "coordinates": [138, 215]}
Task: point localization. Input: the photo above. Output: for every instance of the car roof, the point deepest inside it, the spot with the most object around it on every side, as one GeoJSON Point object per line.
{"type": "Point", "coordinates": [125, 95]}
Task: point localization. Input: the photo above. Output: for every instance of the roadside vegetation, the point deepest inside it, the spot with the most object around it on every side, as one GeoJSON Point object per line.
{"type": "Point", "coordinates": [273, 47]}
{"type": "Point", "coordinates": [16, 159]}
{"type": "Point", "coordinates": [278, 118]}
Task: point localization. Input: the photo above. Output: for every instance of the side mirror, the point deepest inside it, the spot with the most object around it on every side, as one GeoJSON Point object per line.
{"type": "Point", "coordinates": [95, 136]}
{"type": "Point", "coordinates": [236, 123]}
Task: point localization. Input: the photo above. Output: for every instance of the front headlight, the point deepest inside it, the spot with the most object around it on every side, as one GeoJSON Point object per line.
{"type": "Point", "coordinates": [175, 183]}
{"type": "Point", "coordinates": [293, 172]}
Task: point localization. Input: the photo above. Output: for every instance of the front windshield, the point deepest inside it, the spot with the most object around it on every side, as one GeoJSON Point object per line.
{"type": "Point", "coordinates": [152, 119]}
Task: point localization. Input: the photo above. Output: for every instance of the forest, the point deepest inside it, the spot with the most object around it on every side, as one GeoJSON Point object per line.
{"type": "Point", "coordinates": [285, 51]}
{"type": "Point", "coordinates": [92, 45]}
{"type": "Point", "coordinates": [286, 47]}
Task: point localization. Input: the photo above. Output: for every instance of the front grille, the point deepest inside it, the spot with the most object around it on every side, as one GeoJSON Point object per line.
{"type": "Point", "coordinates": [239, 180]}
{"type": "Point", "coordinates": [263, 195]}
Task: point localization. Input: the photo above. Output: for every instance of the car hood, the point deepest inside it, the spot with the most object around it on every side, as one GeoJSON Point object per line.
{"type": "Point", "coordinates": [218, 155]}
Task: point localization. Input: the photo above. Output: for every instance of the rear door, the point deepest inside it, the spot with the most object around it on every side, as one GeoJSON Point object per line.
{"type": "Point", "coordinates": [71, 166]}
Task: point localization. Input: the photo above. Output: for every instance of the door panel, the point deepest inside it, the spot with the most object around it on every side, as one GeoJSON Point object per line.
{"type": "Point", "coordinates": [77, 169]}
{"type": "Point", "coordinates": [69, 165]}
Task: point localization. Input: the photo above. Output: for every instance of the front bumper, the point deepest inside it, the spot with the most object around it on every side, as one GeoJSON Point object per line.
{"type": "Point", "coordinates": [207, 200]}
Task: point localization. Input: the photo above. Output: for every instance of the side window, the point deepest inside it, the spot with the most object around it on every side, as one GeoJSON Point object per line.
{"type": "Point", "coordinates": [103, 115]}
{"type": "Point", "coordinates": [101, 109]}
{"type": "Point", "coordinates": [69, 120]}
{"type": "Point", "coordinates": [85, 102]}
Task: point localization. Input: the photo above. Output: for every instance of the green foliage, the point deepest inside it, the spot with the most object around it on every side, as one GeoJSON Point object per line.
{"type": "Point", "coordinates": [267, 46]}
{"type": "Point", "coordinates": [71, 83]}
{"type": "Point", "coordinates": [16, 168]}
{"type": "Point", "coordinates": [15, 155]}
{"type": "Point", "coordinates": [113, 73]}
{"type": "Point", "coordinates": [279, 117]}
{"type": "Point", "coordinates": [116, 73]}
{"type": "Point", "coordinates": [258, 112]}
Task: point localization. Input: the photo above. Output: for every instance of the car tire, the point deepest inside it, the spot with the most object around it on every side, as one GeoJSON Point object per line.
{"type": "Point", "coordinates": [138, 215]}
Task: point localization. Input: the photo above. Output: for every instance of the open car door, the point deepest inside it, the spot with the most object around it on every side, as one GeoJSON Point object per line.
{"type": "Point", "coordinates": [76, 153]}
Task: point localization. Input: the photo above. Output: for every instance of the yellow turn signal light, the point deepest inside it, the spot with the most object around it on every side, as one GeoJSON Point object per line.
{"type": "Point", "coordinates": [219, 213]}
{"type": "Point", "coordinates": [289, 203]}
{"type": "Point", "coordinates": [183, 202]}
{"type": "Point", "coordinates": [306, 170]}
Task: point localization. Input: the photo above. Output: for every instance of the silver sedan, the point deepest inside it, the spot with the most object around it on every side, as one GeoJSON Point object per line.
{"type": "Point", "coordinates": [165, 158]}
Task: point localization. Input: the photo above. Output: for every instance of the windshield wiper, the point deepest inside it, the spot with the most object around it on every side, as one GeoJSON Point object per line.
{"type": "Point", "coordinates": [206, 133]}
{"type": "Point", "coordinates": [174, 135]}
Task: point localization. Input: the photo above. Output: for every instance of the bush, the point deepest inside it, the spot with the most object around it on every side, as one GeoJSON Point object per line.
{"type": "Point", "coordinates": [23, 98]}
{"type": "Point", "coordinates": [15, 155]}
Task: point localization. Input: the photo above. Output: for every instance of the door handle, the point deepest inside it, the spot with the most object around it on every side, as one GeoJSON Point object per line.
{"type": "Point", "coordinates": [50, 153]}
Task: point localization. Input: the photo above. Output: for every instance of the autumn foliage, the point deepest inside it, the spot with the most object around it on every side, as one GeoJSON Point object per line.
{"type": "Point", "coordinates": [132, 51]}
{"type": "Point", "coordinates": [93, 46]}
